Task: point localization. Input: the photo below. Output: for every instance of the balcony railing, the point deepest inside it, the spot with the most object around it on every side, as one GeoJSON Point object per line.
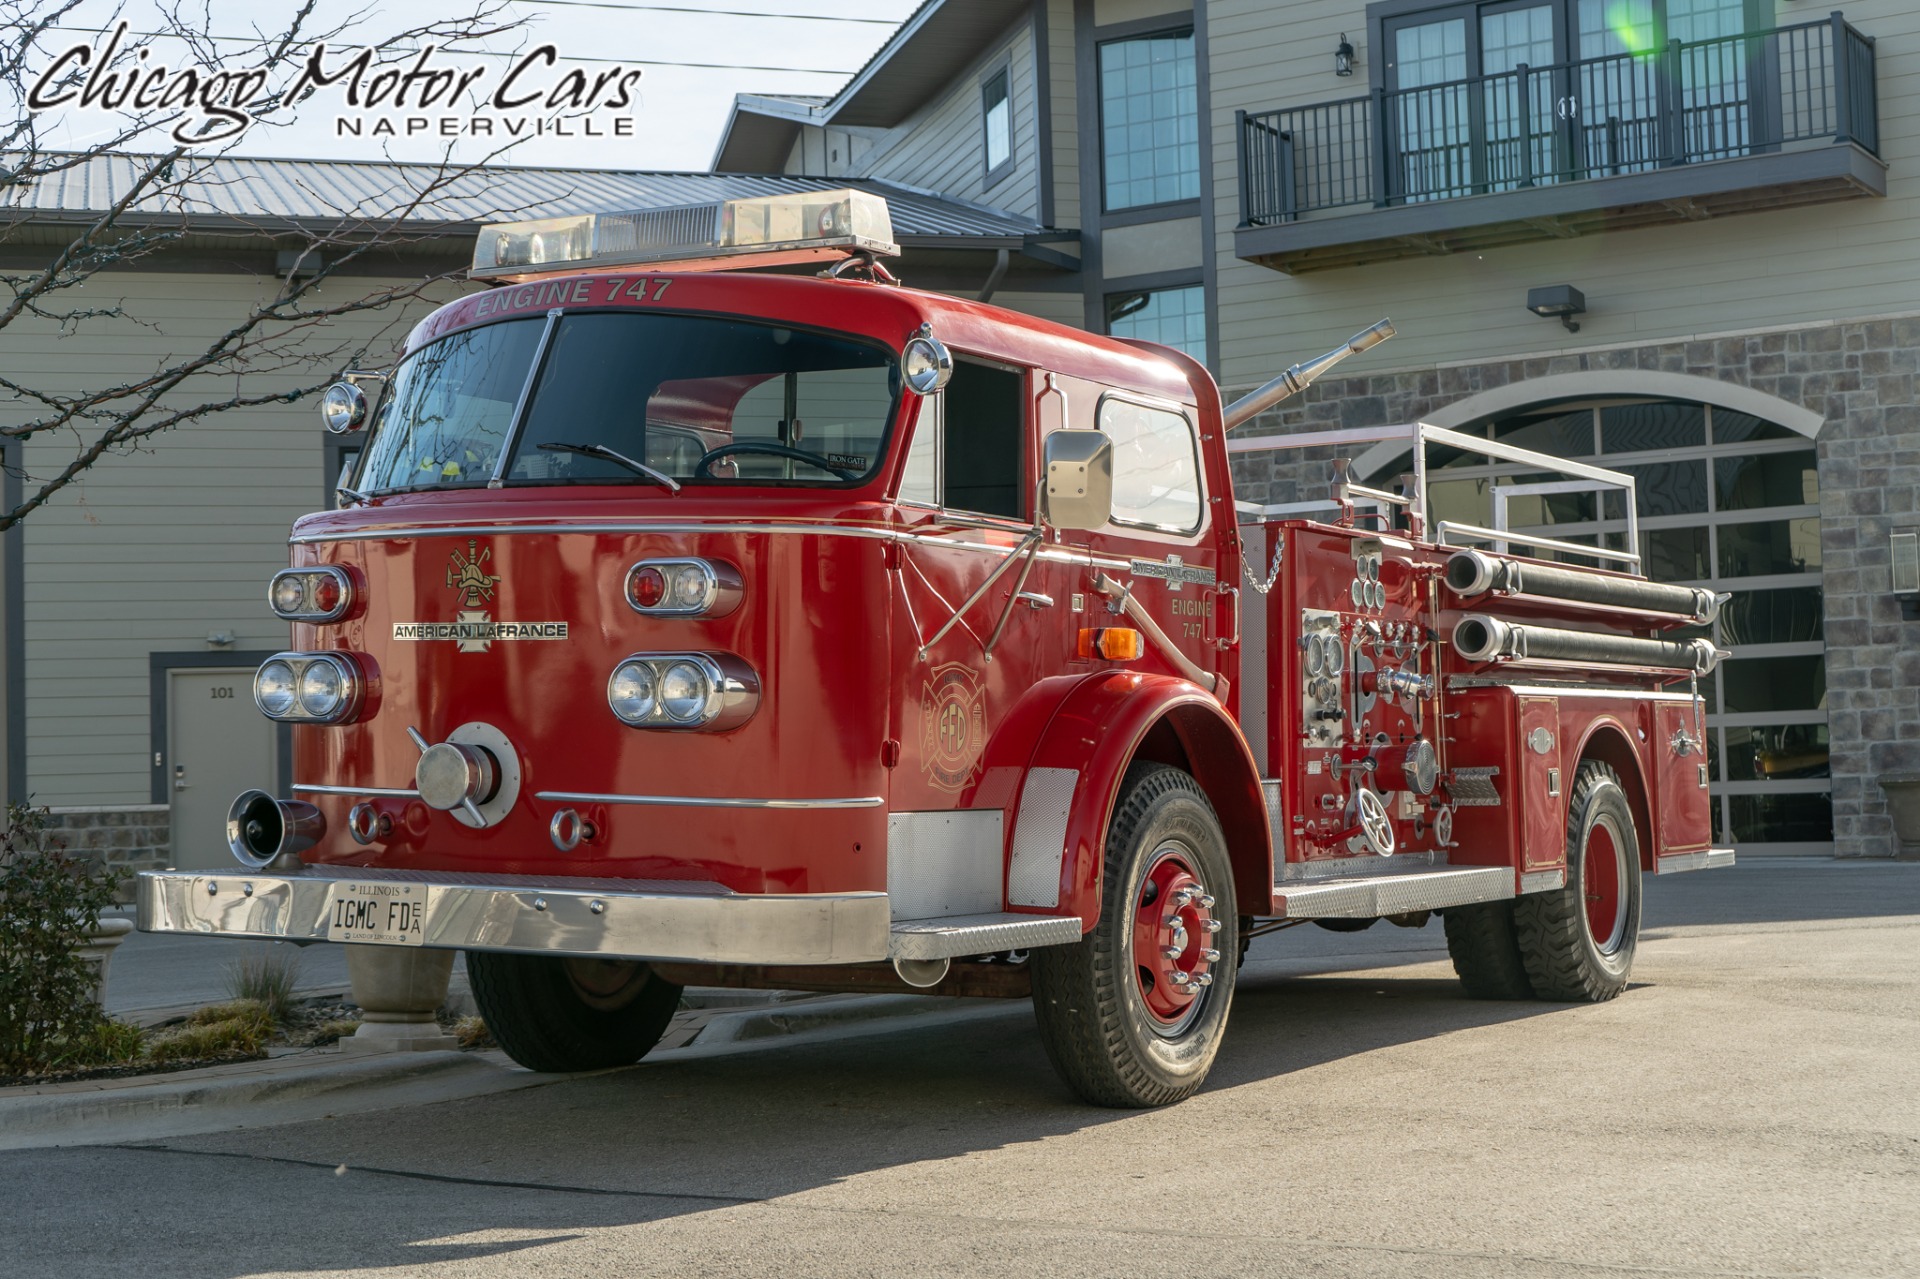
{"type": "Point", "coordinates": [1688, 102]}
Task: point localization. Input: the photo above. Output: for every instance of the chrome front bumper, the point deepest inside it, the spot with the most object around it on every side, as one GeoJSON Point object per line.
{"type": "Point", "coordinates": [637, 919]}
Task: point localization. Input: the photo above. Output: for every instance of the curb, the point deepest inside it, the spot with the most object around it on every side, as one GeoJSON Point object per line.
{"type": "Point", "coordinates": [318, 1083]}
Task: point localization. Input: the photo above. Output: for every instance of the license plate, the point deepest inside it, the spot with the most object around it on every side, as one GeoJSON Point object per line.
{"type": "Point", "coordinates": [383, 914]}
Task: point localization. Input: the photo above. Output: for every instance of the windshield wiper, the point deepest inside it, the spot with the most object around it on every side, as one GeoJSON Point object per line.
{"type": "Point", "coordinates": [600, 450]}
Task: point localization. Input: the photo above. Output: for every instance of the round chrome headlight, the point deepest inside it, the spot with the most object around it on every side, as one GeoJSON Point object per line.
{"type": "Point", "coordinates": [691, 583]}
{"type": "Point", "coordinates": [684, 692]}
{"type": "Point", "coordinates": [322, 689]}
{"type": "Point", "coordinates": [926, 364]}
{"type": "Point", "coordinates": [274, 688]}
{"type": "Point", "coordinates": [289, 594]}
{"type": "Point", "coordinates": [343, 407]}
{"type": "Point", "coordinates": [632, 693]}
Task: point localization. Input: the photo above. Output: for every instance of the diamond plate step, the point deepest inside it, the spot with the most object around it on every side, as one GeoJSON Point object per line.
{"type": "Point", "coordinates": [1373, 896]}
{"type": "Point", "coordinates": [958, 935]}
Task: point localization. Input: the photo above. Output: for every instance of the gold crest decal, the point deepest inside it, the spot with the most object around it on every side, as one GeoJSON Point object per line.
{"type": "Point", "coordinates": [467, 574]}
{"type": "Point", "coordinates": [953, 726]}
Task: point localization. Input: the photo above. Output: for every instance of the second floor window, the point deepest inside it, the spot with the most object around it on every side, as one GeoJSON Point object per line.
{"type": "Point", "coordinates": [997, 110]}
{"type": "Point", "coordinates": [1171, 317]}
{"type": "Point", "coordinates": [1149, 121]}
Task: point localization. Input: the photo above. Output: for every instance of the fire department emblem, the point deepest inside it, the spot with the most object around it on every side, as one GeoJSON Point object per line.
{"type": "Point", "coordinates": [473, 629]}
{"type": "Point", "coordinates": [953, 717]}
{"type": "Point", "coordinates": [468, 575]}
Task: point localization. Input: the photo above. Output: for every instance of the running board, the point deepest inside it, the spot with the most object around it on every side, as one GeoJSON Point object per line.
{"type": "Point", "coordinates": [958, 935]}
{"type": "Point", "coordinates": [1374, 896]}
{"type": "Point", "coordinates": [1710, 859]}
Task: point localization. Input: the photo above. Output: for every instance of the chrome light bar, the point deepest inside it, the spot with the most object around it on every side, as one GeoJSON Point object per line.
{"type": "Point", "coordinates": [804, 226]}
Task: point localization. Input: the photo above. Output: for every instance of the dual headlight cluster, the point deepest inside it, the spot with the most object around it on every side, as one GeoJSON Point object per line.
{"type": "Point", "coordinates": [310, 594]}
{"type": "Point", "coordinates": [309, 688]}
{"type": "Point", "coordinates": [683, 690]}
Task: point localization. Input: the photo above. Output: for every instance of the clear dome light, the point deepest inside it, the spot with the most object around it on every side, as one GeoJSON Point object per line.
{"type": "Point", "coordinates": [321, 689]}
{"type": "Point", "coordinates": [273, 688]}
{"type": "Point", "coordinates": [684, 689]}
{"type": "Point", "coordinates": [631, 692]}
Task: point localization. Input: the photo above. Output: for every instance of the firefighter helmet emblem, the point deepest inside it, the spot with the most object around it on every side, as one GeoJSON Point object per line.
{"type": "Point", "coordinates": [952, 726]}
{"type": "Point", "coordinates": [468, 576]}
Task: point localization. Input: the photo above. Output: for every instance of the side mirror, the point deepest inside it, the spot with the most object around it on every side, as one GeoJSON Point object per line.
{"type": "Point", "coordinates": [1079, 480]}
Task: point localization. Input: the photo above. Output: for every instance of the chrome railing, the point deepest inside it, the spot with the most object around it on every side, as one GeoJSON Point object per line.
{"type": "Point", "coordinates": [1346, 492]}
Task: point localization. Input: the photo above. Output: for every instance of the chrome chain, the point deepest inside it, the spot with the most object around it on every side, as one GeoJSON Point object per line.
{"type": "Point", "coordinates": [1279, 551]}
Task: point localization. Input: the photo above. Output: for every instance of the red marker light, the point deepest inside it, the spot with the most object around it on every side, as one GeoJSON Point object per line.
{"type": "Point", "coordinates": [326, 595]}
{"type": "Point", "coordinates": [646, 587]}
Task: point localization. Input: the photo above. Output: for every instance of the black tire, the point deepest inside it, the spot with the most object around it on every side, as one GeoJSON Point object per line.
{"type": "Point", "coordinates": [1485, 948]}
{"type": "Point", "coordinates": [1578, 941]}
{"type": "Point", "coordinates": [559, 1015]}
{"type": "Point", "coordinates": [1121, 1033]}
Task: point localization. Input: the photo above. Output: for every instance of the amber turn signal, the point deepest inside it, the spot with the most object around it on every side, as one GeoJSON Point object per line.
{"type": "Point", "coordinates": [1110, 643]}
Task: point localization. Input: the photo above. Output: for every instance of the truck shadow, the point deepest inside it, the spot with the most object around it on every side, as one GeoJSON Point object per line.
{"type": "Point", "coordinates": [664, 1143]}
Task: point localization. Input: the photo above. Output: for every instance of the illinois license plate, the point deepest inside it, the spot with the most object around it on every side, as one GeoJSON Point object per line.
{"type": "Point", "coordinates": [383, 914]}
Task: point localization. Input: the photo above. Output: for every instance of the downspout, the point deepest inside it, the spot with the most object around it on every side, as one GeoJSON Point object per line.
{"type": "Point", "coordinates": [1001, 260]}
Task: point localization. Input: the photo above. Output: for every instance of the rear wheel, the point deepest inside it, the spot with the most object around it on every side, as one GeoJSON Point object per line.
{"type": "Point", "coordinates": [553, 1014]}
{"type": "Point", "coordinates": [1133, 1014]}
{"type": "Point", "coordinates": [1486, 951]}
{"type": "Point", "coordinates": [1578, 941]}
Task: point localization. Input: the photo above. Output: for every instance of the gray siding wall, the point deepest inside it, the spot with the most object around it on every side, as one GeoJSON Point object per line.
{"type": "Point", "coordinates": [1732, 275]}
{"type": "Point", "coordinates": [942, 147]}
{"type": "Point", "coordinates": [155, 549]}
{"type": "Point", "coordinates": [1063, 87]}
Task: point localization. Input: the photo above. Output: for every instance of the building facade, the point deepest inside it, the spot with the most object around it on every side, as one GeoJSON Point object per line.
{"type": "Point", "coordinates": [1669, 235]}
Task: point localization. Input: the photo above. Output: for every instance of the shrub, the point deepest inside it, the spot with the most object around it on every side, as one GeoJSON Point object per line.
{"type": "Point", "coordinates": [267, 977]}
{"type": "Point", "coordinates": [49, 902]}
{"type": "Point", "coordinates": [237, 1029]}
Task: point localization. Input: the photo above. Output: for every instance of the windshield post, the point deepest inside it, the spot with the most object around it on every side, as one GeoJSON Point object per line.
{"type": "Point", "coordinates": [519, 419]}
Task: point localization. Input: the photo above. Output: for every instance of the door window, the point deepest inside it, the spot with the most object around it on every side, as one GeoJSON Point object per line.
{"type": "Point", "coordinates": [1156, 467]}
{"type": "Point", "coordinates": [969, 444]}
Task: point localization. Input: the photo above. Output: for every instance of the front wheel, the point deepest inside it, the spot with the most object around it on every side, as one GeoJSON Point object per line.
{"type": "Point", "coordinates": [1133, 1014]}
{"type": "Point", "coordinates": [553, 1014]}
{"type": "Point", "coordinates": [1578, 941]}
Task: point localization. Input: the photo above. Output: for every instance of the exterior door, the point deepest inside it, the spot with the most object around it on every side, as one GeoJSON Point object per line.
{"type": "Point", "coordinates": [218, 744]}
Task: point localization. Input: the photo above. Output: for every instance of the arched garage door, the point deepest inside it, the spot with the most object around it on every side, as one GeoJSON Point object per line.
{"type": "Point", "coordinates": [1726, 501]}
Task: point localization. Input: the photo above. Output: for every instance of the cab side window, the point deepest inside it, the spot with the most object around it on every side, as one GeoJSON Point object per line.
{"type": "Point", "coordinates": [969, 451]}
{"type": "Point", "coordinates": [1156, 466]}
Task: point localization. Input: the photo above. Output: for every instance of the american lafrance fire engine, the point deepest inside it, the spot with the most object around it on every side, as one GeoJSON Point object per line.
{"type": "Point", "coordinates": [684, 625]}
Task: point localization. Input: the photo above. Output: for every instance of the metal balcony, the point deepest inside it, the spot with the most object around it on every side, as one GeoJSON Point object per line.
{"type": "Point", "coordinates": [1765, 120]}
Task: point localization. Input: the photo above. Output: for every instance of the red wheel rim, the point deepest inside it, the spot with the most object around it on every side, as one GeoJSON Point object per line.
{"type": "Point", "coordinates": [1173, 933]}
{"type": "Point", "coordinates": [1604, 878]}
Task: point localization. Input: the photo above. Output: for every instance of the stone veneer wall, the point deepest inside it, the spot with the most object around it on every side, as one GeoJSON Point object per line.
{"type": "Point", "coordinates": [130, 837]}
{"type": "Point", "coordinates": [1861, 378]}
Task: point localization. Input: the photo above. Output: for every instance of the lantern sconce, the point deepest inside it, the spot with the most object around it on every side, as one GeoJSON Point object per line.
{"type": "Point", "coordinates": [1343, 57]}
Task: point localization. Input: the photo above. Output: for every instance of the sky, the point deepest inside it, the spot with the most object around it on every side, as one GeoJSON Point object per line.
{"type": "Point", "coordinates": [673, 116]}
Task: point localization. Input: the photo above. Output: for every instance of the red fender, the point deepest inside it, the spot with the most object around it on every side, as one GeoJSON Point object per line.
{"type": "Point", "coordinates": [1608, 741]}
{"type": "Point", "coordinates": [1103, 725]}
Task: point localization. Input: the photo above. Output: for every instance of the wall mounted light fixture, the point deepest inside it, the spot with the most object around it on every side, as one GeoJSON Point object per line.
{"type": "Point", "coordinates": [1343, 57]}
{"type": "Point", "coordinates": [1558, 302]}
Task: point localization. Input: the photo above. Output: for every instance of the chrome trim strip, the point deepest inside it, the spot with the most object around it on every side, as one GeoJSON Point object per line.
{"type": "Point", "coordinates": [1372, 897]}
{"type": "Point", "coordinates": [378, 792]}
{"type": "Point", "coordinates": [1063, 555]}
{"type": "Point", "coordinates": [959, 935]}
{"type": "Point", "coordinates": [1358, 867]}
{"type": "Point", "coordinates": [1706, 859]}
{"type": "Point", "coordinates": [1455, 683]}
{"type": "Point", "coordinates": [703, 801]}
{"type": "Point", "coordinates": [633, 919]}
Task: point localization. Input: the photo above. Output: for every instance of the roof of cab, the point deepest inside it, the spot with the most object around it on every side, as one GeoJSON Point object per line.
{"type": "Point", "coordinates": [883, 311]}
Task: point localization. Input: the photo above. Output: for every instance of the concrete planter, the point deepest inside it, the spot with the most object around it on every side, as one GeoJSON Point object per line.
{"type": "Point", "coordinates": [1903, 805]}
{"type": "Point", "coordinates": [97, 951]}
{"type": "Point", "coordinates": [399, 989]}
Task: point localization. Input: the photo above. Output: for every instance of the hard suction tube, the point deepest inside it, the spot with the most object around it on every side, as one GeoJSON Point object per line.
{"type": "Point", "coordinates": [1473, 573]}
{"type": "Point", "coordinates": [1479, 638]}
{"type": "Point", "coordinates": [261, 829]}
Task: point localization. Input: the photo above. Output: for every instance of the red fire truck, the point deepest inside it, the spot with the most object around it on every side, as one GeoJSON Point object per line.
{"type": "Point", "coordinates": [684, 625]}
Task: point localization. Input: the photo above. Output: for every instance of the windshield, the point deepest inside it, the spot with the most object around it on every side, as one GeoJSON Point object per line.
{"type": "Point", "coordinates": [695, 399]}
